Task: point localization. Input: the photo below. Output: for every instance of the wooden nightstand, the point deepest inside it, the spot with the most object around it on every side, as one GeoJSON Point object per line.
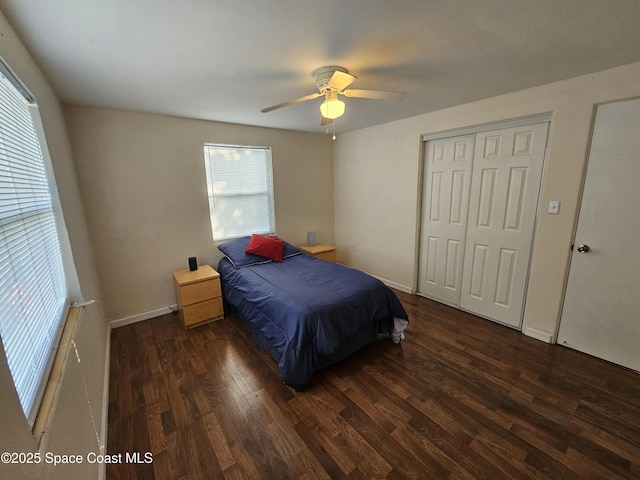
{"type": "Point", "coordinates": [325, 252]}
{"type": "Point", "coordinates": [199, 295]}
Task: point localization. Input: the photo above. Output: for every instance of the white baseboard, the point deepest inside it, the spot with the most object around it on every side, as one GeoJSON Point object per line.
{"type": "Point", "coordinates": [104, 422]}
{"type": "Point", "coordinates": [390, 284]}
{"type": "Point", "coordinates": [121, 322]}
{"type": "Point", "coordinates": [538, 334]}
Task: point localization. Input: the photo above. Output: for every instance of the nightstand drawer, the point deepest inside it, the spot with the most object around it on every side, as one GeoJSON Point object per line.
{"type": "Point", "coordinates": [329, 256]}
{"type": "Point", "coordinates": [202, 312]}
{"type": "Point", "coordinates": [200, 291]}
{"type": "Point", "coordinates": [321, 251]}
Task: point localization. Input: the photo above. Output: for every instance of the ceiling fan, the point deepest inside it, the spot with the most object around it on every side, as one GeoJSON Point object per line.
{"type": "Point", "coordinates": [331, 82]}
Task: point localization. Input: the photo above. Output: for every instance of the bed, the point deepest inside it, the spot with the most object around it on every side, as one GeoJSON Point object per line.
{"type": "Point", "coordinates": [307, 313]}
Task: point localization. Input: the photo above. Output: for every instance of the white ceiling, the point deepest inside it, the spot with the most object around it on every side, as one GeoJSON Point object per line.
{"type": "Point", "coordinates": [225, 60]}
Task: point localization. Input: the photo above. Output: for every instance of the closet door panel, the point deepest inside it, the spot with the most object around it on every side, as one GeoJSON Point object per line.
{"type": "Point", "coordinates": [445, 200]}
{"type": "Point", "coordinates": [507, 168]}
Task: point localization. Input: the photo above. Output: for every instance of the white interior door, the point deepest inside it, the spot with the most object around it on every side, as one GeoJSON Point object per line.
{"type": "Point", "coordinates": [445, 200]}
{"type": "Point", "coordinates": [507, 168]}
{"type": "Point", "coordinates": [601, 313]}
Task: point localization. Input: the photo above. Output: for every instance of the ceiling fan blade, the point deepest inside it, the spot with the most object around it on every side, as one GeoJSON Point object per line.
{"type": "Point", "coordinates": [291, 102]}
{"type": "Point", "coordinates": [340, 80]}
{"type": "Point", "coordinates": [325, 121]}
{"type": "Point", "coordinates": [374, 94]}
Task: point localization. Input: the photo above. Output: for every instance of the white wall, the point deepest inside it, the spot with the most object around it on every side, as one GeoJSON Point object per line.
{"type": "Point", "coordinates": [81, 394]}
{"type": "Point", "coordinates": [377, 169]}
{"type": "Point", "coordinates": [144, 190]}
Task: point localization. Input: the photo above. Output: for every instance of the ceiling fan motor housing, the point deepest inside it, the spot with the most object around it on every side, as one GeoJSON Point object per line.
{"type": "Point", "coordinates": [323, 74]}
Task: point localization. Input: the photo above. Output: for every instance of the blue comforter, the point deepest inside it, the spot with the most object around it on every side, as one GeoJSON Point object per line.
{"type": "Point", "coordinates": [309, 313]}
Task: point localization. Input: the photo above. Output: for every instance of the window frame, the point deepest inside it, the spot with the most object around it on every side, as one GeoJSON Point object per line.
{"type": "Point", "coordinates": [217, 196]}
{"type": "Point", "coordinates": [34, 340]}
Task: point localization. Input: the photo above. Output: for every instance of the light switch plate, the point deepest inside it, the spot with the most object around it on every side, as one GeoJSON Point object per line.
{"type": "Point", "coordinates": [554, 207]}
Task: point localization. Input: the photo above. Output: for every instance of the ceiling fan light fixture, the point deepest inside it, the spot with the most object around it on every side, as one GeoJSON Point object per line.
{"type": "Point", "coordinates": [332, 108]}
{"type": "Point", "coordinates": [332, 81]}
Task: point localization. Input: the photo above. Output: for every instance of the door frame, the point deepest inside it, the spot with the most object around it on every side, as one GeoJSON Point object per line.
{"type": "Point", "coordinates": [487, 127]}
{"type": "Point", "coordinates": [473, 130]}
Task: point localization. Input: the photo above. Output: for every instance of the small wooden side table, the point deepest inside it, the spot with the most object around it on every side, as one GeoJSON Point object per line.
{"type": "Point", "coordinates": [320, 250]}
{"type": "Point", "coordinates": [199, 295]}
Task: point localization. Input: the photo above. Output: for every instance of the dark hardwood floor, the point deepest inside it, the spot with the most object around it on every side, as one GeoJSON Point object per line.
{"type": "Point", "coordinates": [460, 398]}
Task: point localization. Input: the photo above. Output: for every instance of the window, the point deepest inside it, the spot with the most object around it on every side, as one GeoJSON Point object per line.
{"type": "Point", "coordinates": [240, 187]}
{"type": "Point", "coordinates": [33, 292]}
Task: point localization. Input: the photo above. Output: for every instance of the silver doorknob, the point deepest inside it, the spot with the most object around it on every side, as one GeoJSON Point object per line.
{"type": "Point", "coordinates": [583, 248]}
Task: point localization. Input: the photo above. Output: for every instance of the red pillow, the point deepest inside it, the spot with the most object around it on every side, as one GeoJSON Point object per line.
{"type": "Point", "coordinates": [268, 247]}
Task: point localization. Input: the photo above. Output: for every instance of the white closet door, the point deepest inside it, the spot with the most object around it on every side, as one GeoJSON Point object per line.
{"type": "Point", "coordinates": [507, 169]}
{"type": "Point", "coordinates": [601, 314]}
{"type": "Point", "coordinates": [445, 200]}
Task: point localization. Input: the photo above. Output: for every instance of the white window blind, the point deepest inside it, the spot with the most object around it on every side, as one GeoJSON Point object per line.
{"type": "Point", "coordinates": [33, 292]}
{"type": "Point", "coordinates": [240, 187]}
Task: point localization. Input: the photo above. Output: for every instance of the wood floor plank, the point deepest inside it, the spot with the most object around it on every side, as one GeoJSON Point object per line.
{"type": "Point", "coordinates": [460, 398]}
{"type": "Point", "coordinates": [320, 453]}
